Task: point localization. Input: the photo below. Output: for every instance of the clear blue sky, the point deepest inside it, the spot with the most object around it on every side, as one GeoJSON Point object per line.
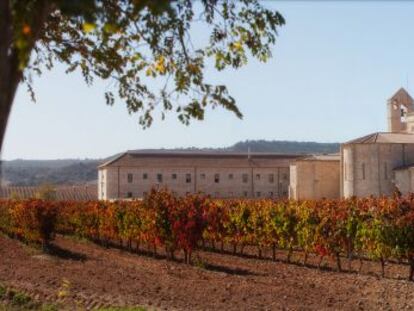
{"type": "Point", "coordinates": [334, 66]}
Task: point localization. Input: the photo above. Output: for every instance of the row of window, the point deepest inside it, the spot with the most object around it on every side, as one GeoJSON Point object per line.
{"type": "Point", "coordinates": [258, 194]}
{"type": "Point", "coordinates": [245, 177]}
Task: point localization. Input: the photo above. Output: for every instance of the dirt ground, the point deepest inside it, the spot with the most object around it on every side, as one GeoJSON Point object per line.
{"type": "Point", "coordinates": [87, 275]}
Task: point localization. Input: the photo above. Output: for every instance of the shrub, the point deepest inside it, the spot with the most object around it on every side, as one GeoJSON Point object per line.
{"type": "Point", "coordinates": [34, 221]}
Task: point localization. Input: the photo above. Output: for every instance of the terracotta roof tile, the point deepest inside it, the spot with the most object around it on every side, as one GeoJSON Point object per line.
{"type": "Point", "coordinates": [384, 138]}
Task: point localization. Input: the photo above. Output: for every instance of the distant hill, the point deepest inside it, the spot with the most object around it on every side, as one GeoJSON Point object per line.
{"type": "Point", "coordinates": [55, 172]}
{"type": "Point", "coordinates": [76, 172]}
{"type": "Point", "coordinates": [278, 146]}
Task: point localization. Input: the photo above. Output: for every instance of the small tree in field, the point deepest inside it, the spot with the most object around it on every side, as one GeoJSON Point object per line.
{"type": "Point", "coordinates": [46, 192]}
{"type": "Point", "coordinates": [34, 221]}
{"type": "Point", "coordinates": [131, 42]}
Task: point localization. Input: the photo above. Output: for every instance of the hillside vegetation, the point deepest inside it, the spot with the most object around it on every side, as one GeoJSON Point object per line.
{"type": "Point", "coordinates": [285, 147]}
{"type": "Point", "coordinates": [56, 172]}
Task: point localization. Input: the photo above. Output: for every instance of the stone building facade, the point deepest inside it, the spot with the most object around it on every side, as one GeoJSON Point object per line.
{"type": "Point", "coordinates": [380, 163]}
{"type": "Point", "coordinates": [400, 109]}
{"type": "Point", "coordinates": [369, 163]}
{"type": "Point", "coordinates": [222, 175]}
{"type": "Point", "coordinates": [376, 164]}
{"type": "Point", "coordinates": [315, 177]}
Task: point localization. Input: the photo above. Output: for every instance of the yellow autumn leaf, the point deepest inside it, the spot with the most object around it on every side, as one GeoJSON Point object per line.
{"type": "Point", "coordinates": [236, 46]}
{"type": "Point", "coordinates": [160, 65]}
{"type": "Point", "coordinates": [88, 27]}
{"type": "Point", "coordinates": [150, 72]}
{"type": "Point", "coordinates": [110, 28]}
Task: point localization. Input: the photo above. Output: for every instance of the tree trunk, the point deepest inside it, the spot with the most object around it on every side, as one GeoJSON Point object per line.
{"type": "Point", "coordinates": [338, 262]}
{"type": "Point", "coordinates": [350, 259]}
{"type": "Point", "coordinates": [411, 274]}
{"type": "Point", "coordinates": [185, 256]}
{"type": "Point", "coordinates": [189, 257]}
{"type": "Point", "coordinates": [361, 262]}
{"type": "Point", "coordinates": [320, 262]}
{"type": "Point", "coordinates": [11, 72]}
{"type": "Point", "coordinates": [7, 91]}
{"type": "Point", "coordinates": [45, 246]}
{"type": "Point", "coordinates": [289, 255]}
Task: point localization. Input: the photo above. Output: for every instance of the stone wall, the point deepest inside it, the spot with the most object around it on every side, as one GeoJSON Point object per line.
{"type": "Point", "coordinates": [403, 180]}
{"type": "Point", "coordinates": [315, 179]}
{"type": "Point", "coordinates": [226, 177]}
{"type": "Point", "coordinates": [368, 169]}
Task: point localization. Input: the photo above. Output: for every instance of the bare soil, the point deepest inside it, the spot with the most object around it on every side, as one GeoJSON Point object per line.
{"type": "Point", "coordinates": [88, 275]}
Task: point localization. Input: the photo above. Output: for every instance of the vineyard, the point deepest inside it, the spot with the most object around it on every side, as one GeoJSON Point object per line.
{"type": "Point", "coordinates": [378, 229]}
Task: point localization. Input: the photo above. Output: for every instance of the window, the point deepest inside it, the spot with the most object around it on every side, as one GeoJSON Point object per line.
{"type": "Point", "coordinates": [258, 194]}
{"type": "Point", "coordinates": [285, 176]}
{"type": "Point", "coordinates": [130, 177]}
{"type": "Point", "coordinates": [231, 176]}
{"type": "Point", "coordinates": [129, 195]}
{"type": "Point", "coordinates": [257, 176]}
{"type": "Point", "coordinates": [174, 176]}
{"type": "Point", "coordinates": [385, 170]}
{"type": "Point", "coordinates": [159, 178]}
{"type": "Point", "coordinates": [271, 194]}
{"type": "Point", "coordinates": [203, 176]}
{"type": "Point", "coordinates": [245, 194]}
{"type": "Point", "coordinates": [363, 171]}
{"type": "Point", "coordinates": [216, 178]}
{"type": "Point", "coordinates": [403, 113]}
{"type": "Point", "coordinates": [245, 178]}
{"type": "Point", "coordinates": [188, 178]}
{"type": "Point", "coordinates": [271, 178]}
{"type": "Point", "coordinates": [145, 176]}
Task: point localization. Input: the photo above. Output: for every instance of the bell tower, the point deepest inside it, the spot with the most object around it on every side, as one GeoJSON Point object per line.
{"type": "Point", "coordinates": [400, 111]}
